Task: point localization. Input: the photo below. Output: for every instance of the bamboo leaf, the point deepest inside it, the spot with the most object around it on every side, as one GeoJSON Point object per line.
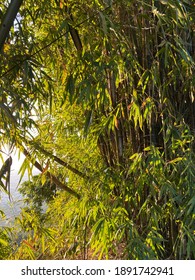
{"type": "Point", "coordinates": [88, 121]}
{"type": "Point", "coordinates": [175, 160]}
{"type": "Point", "coordinates": [43, 178]}
{"type": "Point", "coordinates": [98, 225]}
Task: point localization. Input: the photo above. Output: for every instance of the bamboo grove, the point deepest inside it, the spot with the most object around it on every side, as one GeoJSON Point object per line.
{"type": "Point", "coordinates": [120, 75]}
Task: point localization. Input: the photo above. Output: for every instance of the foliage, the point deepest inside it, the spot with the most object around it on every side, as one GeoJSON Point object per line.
{"type": "Point", "coordinates": [5, 243]}
{"type": "Point", "coordinates": [99, 96]}
{"type": "Point", "coordinates": [35, 193]}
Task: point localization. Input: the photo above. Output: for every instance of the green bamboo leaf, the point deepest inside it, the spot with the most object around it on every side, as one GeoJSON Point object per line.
{"type": "Point", "coordinates": [43, 243]}
{"type": "Point", "coordinates": [70, 87]}
{"type": "Point", "coordinates": [191, 205]}
{"type": "Point", "coordinates": [24, 167]}
{"type": "Point", "coordinates": [30, 252]}
{"type": "Point", "coordinates": [49, 232]}
{"type": "Point", "coordinates": [98, 225]}
{"type": "Point", "coordinates": [43, 178]}
{"type": "Point", "coordinates": [2, 214]}
{"type": "Point", "coordinates": [64, 25]}
{"type": "Point", "coordinates": [88, 121]}
{"type": "Point", "coordinates": [175, 160]}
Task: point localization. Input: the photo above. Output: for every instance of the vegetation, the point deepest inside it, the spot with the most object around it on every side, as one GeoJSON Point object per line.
{"type": "Point", "coordinates": [99, 96]}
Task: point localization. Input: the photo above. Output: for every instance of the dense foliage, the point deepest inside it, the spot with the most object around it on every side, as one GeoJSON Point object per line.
{"type": "Point", "coordinates": [99, 96]}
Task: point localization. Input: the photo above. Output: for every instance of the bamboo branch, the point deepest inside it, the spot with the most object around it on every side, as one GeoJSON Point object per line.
{"type": "Point", "coordinates": [58, 160]}
{"type": "Point", "coordinates": [75, 37]}
{"type": "Point", "coordinates": [51, 176]}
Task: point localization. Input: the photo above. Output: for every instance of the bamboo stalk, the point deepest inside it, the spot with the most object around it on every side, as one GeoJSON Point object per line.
{"type": "Point", "coordinates": [8, 20]}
